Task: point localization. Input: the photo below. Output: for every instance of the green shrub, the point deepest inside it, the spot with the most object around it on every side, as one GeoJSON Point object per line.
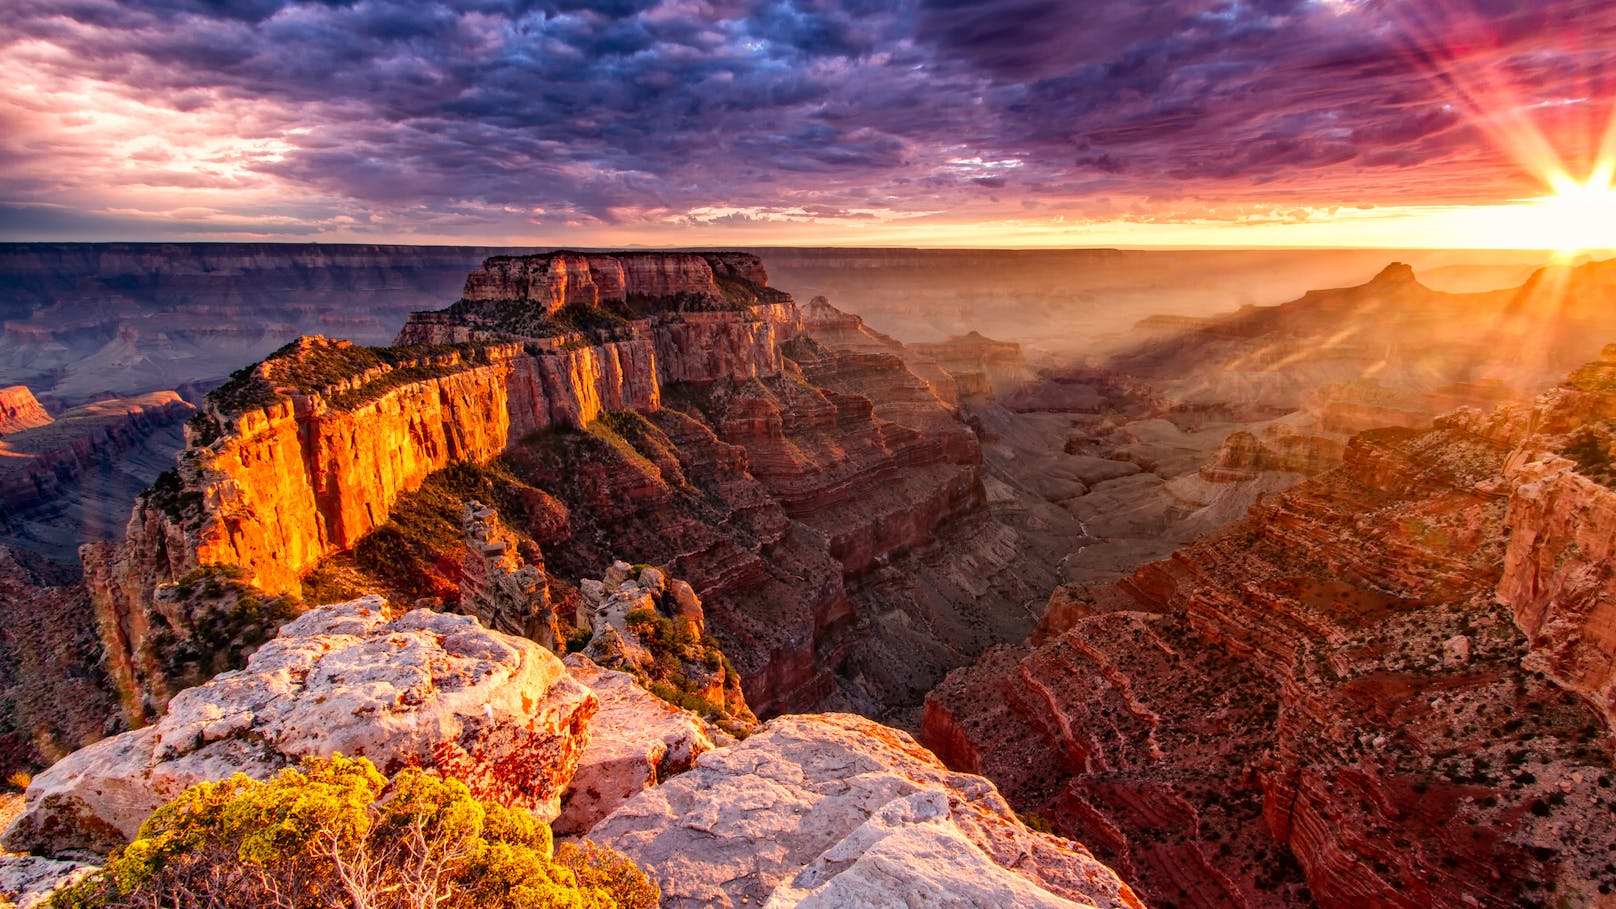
{"type": "Point", "coordinates": [337, 833]}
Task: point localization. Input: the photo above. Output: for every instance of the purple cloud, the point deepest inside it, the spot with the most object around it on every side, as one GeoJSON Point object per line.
{"type": "Point", "coordinates": [405, 114]}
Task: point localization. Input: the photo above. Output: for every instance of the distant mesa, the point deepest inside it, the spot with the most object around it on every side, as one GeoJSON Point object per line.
{"type": "Point", "coordinates": [1396, 273]}
{"type": "Point", "coordinates": [552, 294]}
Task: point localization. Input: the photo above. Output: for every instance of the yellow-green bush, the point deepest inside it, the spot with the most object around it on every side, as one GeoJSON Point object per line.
{"type": "Point", "coordinates": [337, 833]}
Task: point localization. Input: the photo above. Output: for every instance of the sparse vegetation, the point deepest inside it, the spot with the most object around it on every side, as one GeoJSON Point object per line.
{"type": "Point", "coordinates": [683, 666]}
{"type": "Point", "coordinates": [225, 619]}
{"type": "Point", "coordinates": [338, 833]}
{"type": "Point", "coordinates": [311, 368]}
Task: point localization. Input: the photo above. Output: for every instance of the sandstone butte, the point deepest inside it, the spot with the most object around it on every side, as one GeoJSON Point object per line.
{"type": "Point", "coordinates": [825, 502]}
{"type": "Point", "coordinates": [1390, 686]}
{"type": "Point", "coordinates": [831, 810]}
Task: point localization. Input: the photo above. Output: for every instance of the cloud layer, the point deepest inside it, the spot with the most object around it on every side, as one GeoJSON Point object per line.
{"type": "Point", "coordinates": [504, 119]}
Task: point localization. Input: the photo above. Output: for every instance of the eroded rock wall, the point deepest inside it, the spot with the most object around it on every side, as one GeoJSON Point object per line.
{"type": "Point", "coordinates": [1388, 686]}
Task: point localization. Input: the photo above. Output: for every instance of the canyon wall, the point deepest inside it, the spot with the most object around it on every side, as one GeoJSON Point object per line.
{"type": "Point", "coordinates": [36, 463]}
{"type": "Point", "coordinates": [308, 452]}
{"type": "Point", "coordinates": [1388, 686]}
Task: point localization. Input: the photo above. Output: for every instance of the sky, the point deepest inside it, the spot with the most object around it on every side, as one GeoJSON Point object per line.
{"type": "Point", "coordinates": [1385, 123]}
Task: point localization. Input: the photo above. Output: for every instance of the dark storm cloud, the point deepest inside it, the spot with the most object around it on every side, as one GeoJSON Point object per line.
{"type": "Point", "coordinates": [600, 110]}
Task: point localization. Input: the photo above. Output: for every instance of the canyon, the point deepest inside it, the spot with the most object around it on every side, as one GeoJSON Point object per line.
{"type": "Point", "coordinates": [1389, 685]}
{"type": "Point", "coordinates": [1331, 620]}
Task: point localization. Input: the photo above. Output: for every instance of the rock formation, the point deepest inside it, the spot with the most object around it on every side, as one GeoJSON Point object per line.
{"type": "Point", "coordinates": [835, 810]}
{"type": "Point", "coordinates": [1388, 686]}
{"type": "Point", "coordinates": [424, 689]}
{"type": "Point", "coordinates": [506, 590]}
{"type": "Point", "coordinates": [636, 741]}
{"type": "Point", "coordinates": [656, 630]}
{"type": "Point", "coordinates": [19, 410]}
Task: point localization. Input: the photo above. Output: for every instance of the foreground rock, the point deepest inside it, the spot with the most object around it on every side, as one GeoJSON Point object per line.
{"type": "Point", "coordinates": [636, 741]}
{"type": "Point", "coordinates": [836, 810]}
{"type": "Point", "coordinates": [27, 881]}
{"type": "Point", "coordinates": [427, 689]}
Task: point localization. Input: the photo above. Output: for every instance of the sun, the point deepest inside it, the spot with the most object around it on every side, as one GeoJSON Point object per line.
{"type": "Point", "coordinates": [1578, 217]}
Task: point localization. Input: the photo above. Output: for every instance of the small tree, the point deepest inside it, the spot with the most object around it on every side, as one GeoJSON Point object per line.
{"type": "Point", "coordinates": [337, 834]}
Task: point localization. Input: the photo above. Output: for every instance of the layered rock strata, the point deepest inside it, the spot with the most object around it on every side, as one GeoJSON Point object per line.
{"type": "Point", "coordinates": [836, 810]}
{"type": "Point", "coordinates": [1389, 686]}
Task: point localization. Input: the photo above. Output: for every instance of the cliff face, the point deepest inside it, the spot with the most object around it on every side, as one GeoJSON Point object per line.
{"type": "Point", "coordinates": [312, 471]}
{"type": "Point", "coordinates": [1388, 686]}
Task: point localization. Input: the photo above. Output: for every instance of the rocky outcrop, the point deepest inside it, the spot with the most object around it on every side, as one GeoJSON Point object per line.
{"type": "Point", "coordinates": [636, 741]}
{"type": "Point", "coordinates": [505, 588]}
{"type": "Point", "coordinates": [19, 410]}
{"type": "Point", "coordinates": [1388, 686]}
{"type": "Point", "coordinates": [29, 881]}
{"type": "Point", "coordinates": [836, 810]}
{"type": "Point", "coordinates": [424, 689]}
{"type": "Point", "coordinates": [656, 629]}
